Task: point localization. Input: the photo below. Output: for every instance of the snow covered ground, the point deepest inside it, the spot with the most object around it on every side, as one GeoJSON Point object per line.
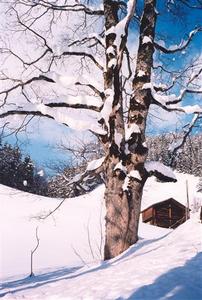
{"type": "Point", "coordinates": [164, 264]}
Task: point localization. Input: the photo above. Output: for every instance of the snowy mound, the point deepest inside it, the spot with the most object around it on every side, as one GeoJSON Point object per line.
{"type": "Point", "coordinates": [65, 237]}
{"type": "Point", "coordinates": [164, 264]}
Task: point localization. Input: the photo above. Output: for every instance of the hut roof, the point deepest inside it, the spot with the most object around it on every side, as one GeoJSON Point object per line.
{"type": "Point", "coordinates": [164, 201]}
{"type": "Point", "coordinates": [155, 192]}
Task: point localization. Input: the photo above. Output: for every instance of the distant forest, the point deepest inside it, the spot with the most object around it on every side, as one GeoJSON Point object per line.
{"type": "Point", "coordinates": [188, 158]}
{"type": "Point", "coordinates": [20, 172]}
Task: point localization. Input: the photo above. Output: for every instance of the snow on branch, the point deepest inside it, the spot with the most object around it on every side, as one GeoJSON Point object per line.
{"type": "Point", "coordinates": [95, 164]}
{"type": "Point", "coordinates": [60, 115]}
{"type": "Point", "coordinates": [189, 109]}
{"type": "Point", "coordinates": [174, 147]}
{"type": "Point", "coordinates": [168, 102]}
{"type": "Point", "coordinates": [121, 31]}
{"type": "Point", "coordinates": [80, 101]}
{"type": "Point", "coordinates": [160, 171]}
{"type": "Point", "coordinates": [95, 167]}
{"type": "Point", "coordinates": [165, 88]}
{"type": "Point", "coordinates": [68, 81]}
{"type": "Point", "coordinates": [192, 109]}
{"type": "Point", "coordinates": [182, 93]}
{"type": "Point", "coordinates": [21, 85]}
{"type": "Point", "coordinates": [68, 119]}
{"type": "Point", "coordinates": [93, 88]}
{"type": "Point", "coordinates": [181, 46]}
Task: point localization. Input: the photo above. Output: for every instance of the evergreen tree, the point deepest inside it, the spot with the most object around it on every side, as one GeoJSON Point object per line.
{"type": "Point", "coordinates": [19, 172]}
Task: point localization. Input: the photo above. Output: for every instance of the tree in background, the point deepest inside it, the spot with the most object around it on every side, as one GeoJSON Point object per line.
{"type": "Point", "coordinates": [188, 157]}
{"type": "Point", "coordinates": [19, 172]}
{"type": "Point", "coordinates": [64, 183]}
{"type": "Point", "coordinates": [187, 160]}
{"type": "Point", "coordinates": [122, 66]}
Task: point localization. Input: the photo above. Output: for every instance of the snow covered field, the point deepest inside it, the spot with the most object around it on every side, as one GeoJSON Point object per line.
{"type": "Point", "coordinates": [164, 264]}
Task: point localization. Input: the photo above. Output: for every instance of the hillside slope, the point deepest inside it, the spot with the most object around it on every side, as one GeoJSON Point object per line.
{"type": "Point", "coordinates": [164, 264]}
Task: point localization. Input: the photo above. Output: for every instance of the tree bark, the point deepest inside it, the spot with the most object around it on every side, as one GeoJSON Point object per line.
{"type": "Point", "coordinates": [123, 192]}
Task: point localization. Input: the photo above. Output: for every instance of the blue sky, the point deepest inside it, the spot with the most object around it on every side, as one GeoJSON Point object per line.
{"type": "Point", "coordinates": [41, 144]}
{"type": "Point", "coordinates": [171, 28]}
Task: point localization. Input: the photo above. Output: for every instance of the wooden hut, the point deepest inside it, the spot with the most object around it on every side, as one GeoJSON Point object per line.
{"type": "Point", "coordinates": [168, 214]}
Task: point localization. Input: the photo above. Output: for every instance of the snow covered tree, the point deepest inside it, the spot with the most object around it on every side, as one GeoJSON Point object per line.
{"type": "Point", "coordinates": [64, 184]}
{"type": "Point", "coordinates": [100, 66]}
{"type": "Point", "coordinates": [10, 163]}
{"type": "Point", "coordinates": [186, 158]}
{"type": "Point", "coordinates": [19, 172]}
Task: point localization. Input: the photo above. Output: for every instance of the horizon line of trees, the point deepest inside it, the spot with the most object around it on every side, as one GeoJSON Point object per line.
{"type": "Point", "coordinates": [19, 171]}
{"type": "Point", "coordinates": [187, 160]}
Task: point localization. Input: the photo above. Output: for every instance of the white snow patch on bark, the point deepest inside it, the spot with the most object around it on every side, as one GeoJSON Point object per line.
{"type": "Point", "coordinates": [107, 108]}
{"type": "Point", "coordinates": [147, 85]}
{"type": "Point", "coordinates": [112, 63]}
{"type": "Point", "coordinates": [120, 28]}
{"type": "Point", "coordinates": [126, 183]}
{"type": "Point", "coordinates": [140, 73]}
{"type": "Point", "coordinates": [118, 138]}
{"type": "Point", "coordinates": [135, 174]}
{"type": "Point", "coordinates": [146, 40]}
{"type": "Point", "coordinates": [119, 166]}
{"type": "Point", "coordinates": [110, 50]}
{"type": "Point", "coordinates": [134, 128]}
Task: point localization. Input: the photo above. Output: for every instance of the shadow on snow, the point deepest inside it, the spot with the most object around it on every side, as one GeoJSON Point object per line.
{"type": "Point", "coordinates": [164, 284]}
{"type": "Point", "coordinates": [180, 283]}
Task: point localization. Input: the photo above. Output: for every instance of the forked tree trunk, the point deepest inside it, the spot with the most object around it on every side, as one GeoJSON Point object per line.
{"type": "Point", "coordinates": [123, 192]}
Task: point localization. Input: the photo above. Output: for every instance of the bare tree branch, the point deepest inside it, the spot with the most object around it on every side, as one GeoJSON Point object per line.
{"type": "Point", "coordinates": [97, 92]}
{"type": "Point", "coordinates": [198, 4]}
{"type": "Point", "coordinates": [182, 141]}
{"type": "Point", "coordinates": [84, 54]}
{"type": "Point", "coordinates": [177, 100]}
{"type": "Point", "coordinates": [73, 8]}
{"type": "Point", "coordinates": [182, 45]}
{"type": "Point", "coordinates": [86, 40]}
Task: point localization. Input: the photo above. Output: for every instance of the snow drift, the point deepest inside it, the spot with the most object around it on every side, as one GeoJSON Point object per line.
{"type": "Point", "coordinates": [164, 264]}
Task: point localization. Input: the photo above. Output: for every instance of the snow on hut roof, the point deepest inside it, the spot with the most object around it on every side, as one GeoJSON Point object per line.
{"type": "Point", "coordinates": [155, 191]}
